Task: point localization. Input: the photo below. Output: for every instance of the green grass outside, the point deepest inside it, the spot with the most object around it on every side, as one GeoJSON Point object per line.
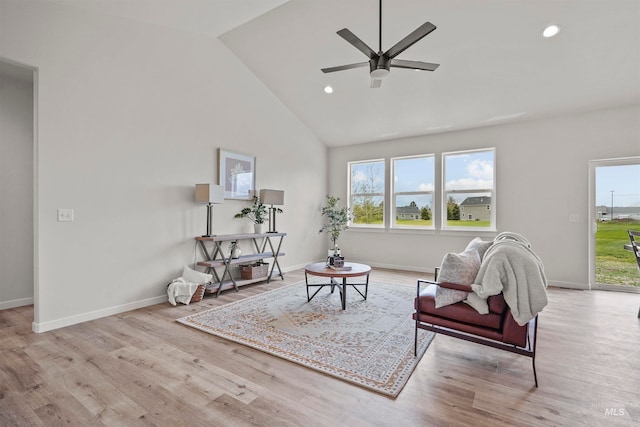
{"type": "Point", "coordinates": [454, 223]}
{"type": "Point", "coordinates": [415, 222]}
{"type": "Point", "coordinates": [614, 264]}
{"type": "Point", "coordinates": [429, 223]}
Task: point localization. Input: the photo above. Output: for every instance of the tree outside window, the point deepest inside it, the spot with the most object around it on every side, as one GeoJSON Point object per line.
{"type": "Point", "coordinates": [367, 183]}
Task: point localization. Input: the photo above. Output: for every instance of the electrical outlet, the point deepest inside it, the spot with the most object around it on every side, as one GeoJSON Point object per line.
{"type": "Point", "coordinates": [65, 215]}
{"type": "Point", "coordinates": [574, 218]}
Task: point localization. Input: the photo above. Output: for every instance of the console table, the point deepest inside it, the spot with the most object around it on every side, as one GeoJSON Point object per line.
{"type": "Point", "coordinates": [266, 245]}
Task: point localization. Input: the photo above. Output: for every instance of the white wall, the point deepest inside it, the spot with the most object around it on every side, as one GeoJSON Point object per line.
{"type": "Point", "coordinates": [16, 192]}
{"type": "Point", "coordinates": [130, 117]}
{"type": "Point", "coordinates": [542, 179]}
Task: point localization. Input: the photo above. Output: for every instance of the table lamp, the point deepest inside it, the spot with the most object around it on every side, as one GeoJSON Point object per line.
{"type": "Point", "coordinates": [272, 197]}
{"type": "Point", "coordinates": [209, 194]}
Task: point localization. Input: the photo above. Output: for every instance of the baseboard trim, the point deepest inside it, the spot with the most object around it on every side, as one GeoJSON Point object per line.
{"type": "Point", "coordinates": [428, 271]}
{"type": "Point", "coordinates": [110, 311]}
{"type": "Point", "coordinates": [16, 303]}
{"type": "Point", "coordinates": [568, 285]}
{"type": "Point", "coordinates": [93, 315]}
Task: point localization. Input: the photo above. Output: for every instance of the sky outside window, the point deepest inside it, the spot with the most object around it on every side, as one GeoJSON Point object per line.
{"type": "Point", "coordinates": [623, 180]}
{"type": "Point", "coordinates": [414, 175]}
{"type": "Point", "coordinates": [469, 171]}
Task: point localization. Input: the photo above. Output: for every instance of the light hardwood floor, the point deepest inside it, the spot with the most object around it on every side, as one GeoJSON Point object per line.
{"type": "Point", "coordinates": [142, 368]}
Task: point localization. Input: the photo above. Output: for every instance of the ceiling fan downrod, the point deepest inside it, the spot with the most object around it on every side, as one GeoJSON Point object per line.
{"type": "Point", "coordinates": [379, 67]}
{"type": "Point", "coordinates": [380, 28]}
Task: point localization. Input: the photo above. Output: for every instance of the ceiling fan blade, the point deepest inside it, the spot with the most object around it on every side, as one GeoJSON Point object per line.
{"type": "Point", "coordinates": [376, 83]}
{"type": "Point", "coordinates": [344, 67]}
{"type": "Point", "coordinates": [414, 65]}
{"type": "Point", "coordinates": [357, 43]}
{"type": "Point", "coordinates": [412, 38]}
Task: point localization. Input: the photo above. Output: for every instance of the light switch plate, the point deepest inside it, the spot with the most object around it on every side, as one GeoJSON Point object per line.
{"type": "Point", "coordinates": [65, 215]}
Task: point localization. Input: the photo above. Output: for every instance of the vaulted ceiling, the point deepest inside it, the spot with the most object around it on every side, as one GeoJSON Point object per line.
{"type": "Point", "coordinates": [495, 65]}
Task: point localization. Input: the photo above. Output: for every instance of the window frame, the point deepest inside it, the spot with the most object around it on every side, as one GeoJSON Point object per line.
{"type": "Point", "coordinates": [393, 193]}
{"type": "Point", "coordinates": [444, 194]}
{"type": "Point", "coordinates": [382, 195]}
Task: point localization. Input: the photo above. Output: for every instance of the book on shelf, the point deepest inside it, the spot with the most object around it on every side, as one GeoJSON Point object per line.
{"type": "Point", "coordinates": [346, 268]}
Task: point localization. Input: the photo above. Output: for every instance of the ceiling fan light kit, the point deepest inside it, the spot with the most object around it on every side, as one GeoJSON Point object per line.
{"type": "Point", "coordinates": [551, 31]}
{"type": "Point", "coordinates": [380, 62]}
{"type": "Point", "coordinates": [379, 69]}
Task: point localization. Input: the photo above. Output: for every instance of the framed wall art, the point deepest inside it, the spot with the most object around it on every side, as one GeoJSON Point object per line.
{"type": "Point", "coordinates": [237, 174]}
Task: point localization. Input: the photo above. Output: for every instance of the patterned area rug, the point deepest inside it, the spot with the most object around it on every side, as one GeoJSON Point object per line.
{"type": "Point", "coordinates": [369, 344]}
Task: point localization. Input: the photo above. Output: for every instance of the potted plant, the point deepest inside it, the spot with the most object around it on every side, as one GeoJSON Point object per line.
{"type": "Point", "coordinates": [257, 213]}
{"type": "Point", "coordinates": [337, 220]}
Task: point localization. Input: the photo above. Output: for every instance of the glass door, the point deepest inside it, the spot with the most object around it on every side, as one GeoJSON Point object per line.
{"type": "Point", "coordinates": [615, 208]}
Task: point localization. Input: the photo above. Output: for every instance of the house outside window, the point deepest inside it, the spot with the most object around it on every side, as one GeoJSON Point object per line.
{"type": "Point", "coordinates": [469, 190]}
{"type": "Point", "coordinates": [476, 209]}
{"type": "Point", "coordinates": [412, 188]}
{"type": "Point", "coordinates": [367, 192]}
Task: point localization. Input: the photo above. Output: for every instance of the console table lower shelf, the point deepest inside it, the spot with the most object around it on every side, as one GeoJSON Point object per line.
{"type": "Point", "coordinates": [217, 287]}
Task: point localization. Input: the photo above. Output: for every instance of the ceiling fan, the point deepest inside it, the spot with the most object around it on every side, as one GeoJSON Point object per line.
{"type": "Point", "coordinates": [380, 63]}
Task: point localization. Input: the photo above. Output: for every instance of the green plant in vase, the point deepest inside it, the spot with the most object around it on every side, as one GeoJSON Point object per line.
{"type": "Point", "coordinates": [337, 220]}
{"type": "Point", "coordinates": [257, 213]}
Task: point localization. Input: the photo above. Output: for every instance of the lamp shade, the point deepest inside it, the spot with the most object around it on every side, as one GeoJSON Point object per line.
{"type": "Point", "coordinates": [208, 193]}
{"type": "Point", "coordinates": [272, 197]}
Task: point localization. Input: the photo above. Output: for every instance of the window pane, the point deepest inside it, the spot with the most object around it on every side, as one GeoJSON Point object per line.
{"type": "Point", "coordinates": [413, 186]}
{"type": "Point", "coordinates": [469, 189]}
{"type": "Point", "coordinates": [367, 177]}
{"type": "Point", "coordinates": [368, 210]}
{"type": "Point", "coordinates": [414, 210]}
{"type": "Point", "coordinates": [413, 174]}
{"type": "Point", "coordinates": [367, 192]}
{"type": "Point", "coordinates": [469, 171]}
{"type": "Point", "coordinates": [469, 209]}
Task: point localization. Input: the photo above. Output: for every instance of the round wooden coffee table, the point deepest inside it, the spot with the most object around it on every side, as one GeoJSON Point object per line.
{"type": "Point", "coordinates": [351, 269]}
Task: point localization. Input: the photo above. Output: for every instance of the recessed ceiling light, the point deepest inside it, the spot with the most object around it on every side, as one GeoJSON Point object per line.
{"type": "Point", "coordinates": [328, 89]}
{"type": "Point", "coordinates": [550, 31]}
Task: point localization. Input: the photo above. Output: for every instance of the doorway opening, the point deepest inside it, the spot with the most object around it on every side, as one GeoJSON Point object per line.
{"type": "Point", "coordinates": [18, 235]}
{"type": "Point", "coordinates": [615, 209]}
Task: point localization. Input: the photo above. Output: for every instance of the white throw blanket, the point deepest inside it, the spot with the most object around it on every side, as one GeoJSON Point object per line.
{"type": "Point", "coordinates": [511, 267]}
{"type": "Point", "coordinates": [181, 291]}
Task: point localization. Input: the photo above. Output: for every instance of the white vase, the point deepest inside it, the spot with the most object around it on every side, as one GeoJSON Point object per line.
{"type": "Point", "coordinates": [235, 250]}
{"type": "Point", "coordinates": [258, 228]}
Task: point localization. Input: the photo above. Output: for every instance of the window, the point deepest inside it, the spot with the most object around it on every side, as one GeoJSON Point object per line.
{"type": "Point", "coordinates": [413, 186]}
{"type": "Point", "coordinates": [468, 197]}
{"type": "Point", "coordinates": [366, 192]}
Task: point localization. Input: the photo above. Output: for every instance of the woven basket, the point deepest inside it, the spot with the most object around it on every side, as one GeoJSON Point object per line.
{"type": "Point", "coordinates": [198, 294]}
{"type": "Point", "coordinates": [253, 271]}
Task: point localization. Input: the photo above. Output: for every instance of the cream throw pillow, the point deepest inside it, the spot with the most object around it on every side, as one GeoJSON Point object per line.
{"type": "Point", "coordinates": [479, 245]}
{"type": "Point", "coordinates": [446, 296]}
{"type": "Point", "coordinates": [459, 268]}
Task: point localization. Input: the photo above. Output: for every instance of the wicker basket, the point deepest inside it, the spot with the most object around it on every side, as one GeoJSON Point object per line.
{"type": "Point", "coordinates": [198, 294]}
{"type": "Point", "coordinates": [253, 271]}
